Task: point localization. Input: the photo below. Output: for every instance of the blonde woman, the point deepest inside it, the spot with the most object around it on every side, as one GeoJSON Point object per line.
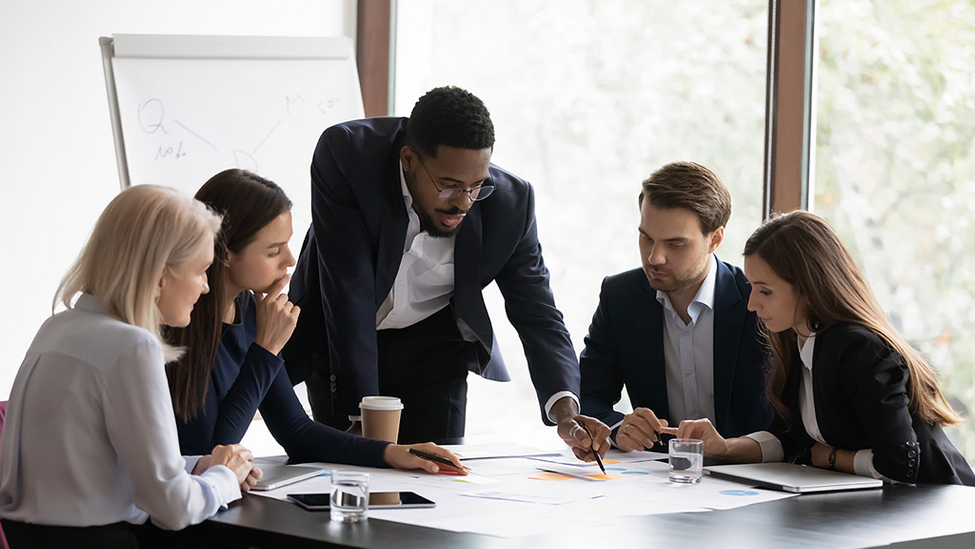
{"type": "Point", "coordinates": [89, 450]}
{"type": "Point", "coordinates": [850, 393]}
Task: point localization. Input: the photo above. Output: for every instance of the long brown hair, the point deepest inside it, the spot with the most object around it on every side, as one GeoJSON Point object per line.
{"type": "Point", "coordinates": [802, 249]}
{"type": "Point", "coordinates": [248, 202]}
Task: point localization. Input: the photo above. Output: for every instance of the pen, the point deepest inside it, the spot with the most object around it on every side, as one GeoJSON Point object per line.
{"type": "Point", "coordinates": [595, 454]}
{"type": "Point", "coordinates": [436, 459]}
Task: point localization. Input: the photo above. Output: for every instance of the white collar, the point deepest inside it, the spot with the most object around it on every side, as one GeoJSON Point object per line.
{"type": "Point", "coordinates": [703, 297]}
{"type": "Point", "coordinates": [806, 350]}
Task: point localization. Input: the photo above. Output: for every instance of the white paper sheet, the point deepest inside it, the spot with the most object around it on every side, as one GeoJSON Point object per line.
{"type": "Point", "coordinates": [502, 499]}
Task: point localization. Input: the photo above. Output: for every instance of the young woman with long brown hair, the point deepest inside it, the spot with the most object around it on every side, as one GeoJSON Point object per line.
{"type": "Point", "coordinates": [850, 393]}
{"type": "Point", "coordinates": [232, 366]}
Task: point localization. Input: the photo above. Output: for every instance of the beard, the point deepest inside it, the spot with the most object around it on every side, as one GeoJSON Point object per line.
{"type": "Point", "coordinates": [678, 281]}
{"type": "Point", "coordinates": [429, 226]}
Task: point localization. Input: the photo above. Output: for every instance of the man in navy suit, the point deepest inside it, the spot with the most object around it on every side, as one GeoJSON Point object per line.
{"type": "Point", "coordinates": [410, 221]}
{"type": "Point", "coordinates": [676, 333]}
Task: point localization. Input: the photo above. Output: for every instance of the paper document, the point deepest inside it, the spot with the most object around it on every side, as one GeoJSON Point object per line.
{"type": "Point", "coordinates": [499, 450]}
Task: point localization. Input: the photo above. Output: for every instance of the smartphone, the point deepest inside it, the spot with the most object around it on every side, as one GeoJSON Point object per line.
{"type": "Point", "coordinates": [377, 500]}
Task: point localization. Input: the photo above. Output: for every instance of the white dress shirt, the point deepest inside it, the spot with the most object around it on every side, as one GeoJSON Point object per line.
{"type": "Point", "coordinates": [425, 280]}
{"type": "Point", "coordinates": [425, 283]}
{"type": "Point", "coordinates": [689, 353]}
{"type": "Point", "coordinates": [90, 434]}
{"type": "Point", "coordinates": [772, 446]}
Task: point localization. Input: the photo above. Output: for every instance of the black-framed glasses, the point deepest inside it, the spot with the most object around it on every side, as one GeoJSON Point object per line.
{"type": "Point", "coordinates": [450, 193]}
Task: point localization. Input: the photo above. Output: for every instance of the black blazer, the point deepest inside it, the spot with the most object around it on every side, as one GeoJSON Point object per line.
{"type": "Point", "coordinates": [860, 388]}
{"type": "Point", "coordinates": [625, 347]}
{"type": "Point", "coordinates": [353, 249]}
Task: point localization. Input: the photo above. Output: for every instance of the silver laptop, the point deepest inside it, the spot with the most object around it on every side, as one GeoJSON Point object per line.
{"type": "Point", "coordinates": [276, 476]}
{"type": "Point", "coordinates": [790, 477]}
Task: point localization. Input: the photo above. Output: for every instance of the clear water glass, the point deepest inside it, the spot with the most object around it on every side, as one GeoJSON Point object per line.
{"type": "Point", "coordinates": [350, 496]}
{"type": "Point", "coordinates": [686, 460]}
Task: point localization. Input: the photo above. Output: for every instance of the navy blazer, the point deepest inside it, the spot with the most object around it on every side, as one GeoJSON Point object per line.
{"type": "Point", "coordinates": [625, 347]}
{"type": "Point", "coordinates": [246, 376]}
{"type": "Point", "coordinates": [860, 388]}
{"type": "Point", "coordinates": [353, 249]}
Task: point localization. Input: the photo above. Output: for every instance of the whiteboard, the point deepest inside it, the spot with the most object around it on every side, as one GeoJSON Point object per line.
{"type": "Point", "coordinates": [187, 107]}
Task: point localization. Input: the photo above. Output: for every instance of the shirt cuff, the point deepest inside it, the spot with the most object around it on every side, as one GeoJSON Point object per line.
{"type": "Point", "coordinates": [613, 429]}
{"type": "Point", "coordinates": [191, 463]}
{"type": "Point", "coordinates": [771, 446]}
{"type": "Point", "coordinates": [863, 466]}
{"type": "Point", "coordinates": [555, 398]}
{"type": "Point", "coordinates": [223, 482]}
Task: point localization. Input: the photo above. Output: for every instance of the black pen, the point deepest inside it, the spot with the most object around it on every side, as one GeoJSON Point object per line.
{"type": "Point", "coordinates": [595, 454]}
{"type": "Point", "coordinates": [436, 459]}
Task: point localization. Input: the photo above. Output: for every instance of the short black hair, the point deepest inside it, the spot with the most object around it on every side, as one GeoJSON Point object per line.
{"type": "Point", "coordinates": [449, 116]}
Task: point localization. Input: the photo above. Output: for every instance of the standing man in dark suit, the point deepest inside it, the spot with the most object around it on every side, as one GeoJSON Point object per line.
{"type": "Point", "coordinates": [410, 221]}
{"type": "Point", "coordinates": [676, 333]}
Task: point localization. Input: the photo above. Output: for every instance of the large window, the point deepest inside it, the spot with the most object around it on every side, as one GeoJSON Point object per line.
{"type": "Point", "coordinates": [895, 169]}
{"type": "Point", "coordinates": [588, 98]}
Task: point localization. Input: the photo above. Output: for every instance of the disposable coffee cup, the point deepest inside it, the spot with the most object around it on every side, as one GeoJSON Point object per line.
{"type": "Point", "coordinates": [380, 417]}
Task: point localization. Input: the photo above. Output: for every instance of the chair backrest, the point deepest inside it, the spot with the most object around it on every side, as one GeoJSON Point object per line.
{"type": "Point", "coordinates": [3, 414]}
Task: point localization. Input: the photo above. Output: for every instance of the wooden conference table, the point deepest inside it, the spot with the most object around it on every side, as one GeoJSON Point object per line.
{"type": "Point", "coordinates": [899, 516]}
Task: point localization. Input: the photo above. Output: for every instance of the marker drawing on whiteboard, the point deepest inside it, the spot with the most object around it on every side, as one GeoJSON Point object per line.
{"type": "Point", "coordinates": [266, 136]}
{"type": "Point", "coordinates": [326, 105]}
{"type": "Point", "coordinates": [163, 152]}
{"type": "Point", "coordinates": [288, 101]}
{"type": "Point", "coordinates": [194, 134]}
{"type": "Point", "coordinates": [245, 161]}
{"type": "Point", "coordinates": [151, 114]}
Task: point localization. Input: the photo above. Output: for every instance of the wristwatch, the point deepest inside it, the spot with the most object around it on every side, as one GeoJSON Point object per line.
{"type": "Point", "coordinates": [831, 459]}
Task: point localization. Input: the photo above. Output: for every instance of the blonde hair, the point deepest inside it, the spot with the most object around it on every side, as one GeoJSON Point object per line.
{"type": "Point", "coordinates": [802, 249]}
{"type": "Point", "coordinates": [143, 231]}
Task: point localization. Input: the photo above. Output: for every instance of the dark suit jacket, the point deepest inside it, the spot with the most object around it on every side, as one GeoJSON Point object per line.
{"type": "Point", "coordinates": [860, 387]}
{"type": "Point", "coordinates": [625, 347]}
{"type": "Point", "coordinates": [353, 250]}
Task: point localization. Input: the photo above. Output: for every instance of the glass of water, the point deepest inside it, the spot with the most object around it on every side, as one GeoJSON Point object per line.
{"type": "Point", "coordinates": [350, 496]}
{"type": "Point", "coordinates": [686, 460]}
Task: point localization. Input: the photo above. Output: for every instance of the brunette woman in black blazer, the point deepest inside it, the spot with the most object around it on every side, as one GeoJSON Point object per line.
{"type": "Point", "coordinates": [849, 392]}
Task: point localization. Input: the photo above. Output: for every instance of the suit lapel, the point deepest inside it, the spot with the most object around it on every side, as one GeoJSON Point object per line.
{"type": "Point", "coordinates": [468, 300]}
{"type": "Point", "coordinates": [822, 372]}
{"type": "Point", "coordinates": [729, 317]}
{"type": "Point", "coordinates": [392, 231]}
{"type": "Point", "coordinates": [651, 334]}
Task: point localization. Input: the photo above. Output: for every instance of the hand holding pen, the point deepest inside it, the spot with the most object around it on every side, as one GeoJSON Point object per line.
{"type": "Point", "coordinates": [592, 448]}
{"type": "Point", "coordinates": [641, 430]}
{"type": "Point", "coordinates": [586, 436]}
{"type": "Point", "coordinates": [454, 468]}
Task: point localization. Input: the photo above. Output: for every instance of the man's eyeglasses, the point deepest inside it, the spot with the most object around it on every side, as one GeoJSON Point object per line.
{"type": "Point", "coordinates": [450, 193]}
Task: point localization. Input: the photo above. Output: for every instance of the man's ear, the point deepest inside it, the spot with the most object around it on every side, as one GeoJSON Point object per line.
{"type": "Point", "coordinates": [717, 237]}
{"type": "Point", "coordinates": [408, 158]}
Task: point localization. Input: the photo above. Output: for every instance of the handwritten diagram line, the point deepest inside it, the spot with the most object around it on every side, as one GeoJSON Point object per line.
{"type": "Point", "coordinates": [198, 136]}
{"type": "Point", "coordinates": [267, 136]}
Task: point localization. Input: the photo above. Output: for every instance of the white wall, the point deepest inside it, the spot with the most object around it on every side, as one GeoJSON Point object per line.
{"type": "Point", "coordinates": [57, 161]}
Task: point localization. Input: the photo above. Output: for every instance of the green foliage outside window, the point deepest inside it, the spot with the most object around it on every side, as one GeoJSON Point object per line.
{"type": "Point", "coordinates": [895, 169]}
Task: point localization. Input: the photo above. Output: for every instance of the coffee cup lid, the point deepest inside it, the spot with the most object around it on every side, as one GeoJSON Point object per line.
{"type": "Point", "coordinates": [381, 403]}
